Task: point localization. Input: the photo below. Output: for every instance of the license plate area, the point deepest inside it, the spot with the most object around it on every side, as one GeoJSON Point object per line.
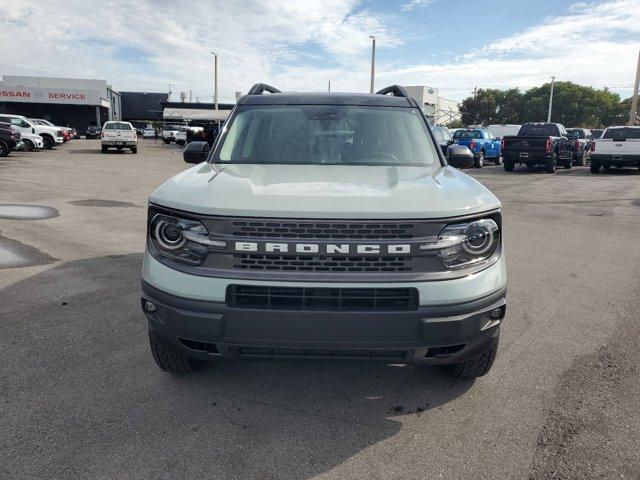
{"type": "Point", "coordinates": [524, 154]}
{"type": "Point", "coordinates": [617, 158]}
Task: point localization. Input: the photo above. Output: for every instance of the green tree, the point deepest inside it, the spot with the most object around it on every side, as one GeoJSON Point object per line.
{"type": "Point", "coordinates": [573, 105]}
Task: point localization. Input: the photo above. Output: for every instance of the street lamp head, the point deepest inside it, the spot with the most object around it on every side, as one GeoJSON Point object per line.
{"type": "Point", "coordinates": [371, 36]}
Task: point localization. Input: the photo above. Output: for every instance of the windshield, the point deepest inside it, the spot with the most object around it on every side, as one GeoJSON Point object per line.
{"type": "Point", "coordinates": [171, 128]}
{"type": "Point", "coordinates": [117, 126]}
{"type": "Point", "coordinates": [328, 135]}
{"type": "Point", "coordinates": [596, 133]}
{"type": "Point", "coordinates": [539, 130]}
{"type": "Point", "coordinates": [622, 133]}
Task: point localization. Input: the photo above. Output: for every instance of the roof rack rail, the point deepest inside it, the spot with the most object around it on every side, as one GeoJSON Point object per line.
{"type": "Point", "coordinates": [260, 88]}
{"type": "Point", "coordinates": [397, 91]}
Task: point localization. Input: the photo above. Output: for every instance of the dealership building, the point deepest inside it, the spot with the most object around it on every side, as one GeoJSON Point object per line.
{"type": "Point", "coordinates": [64, 101]}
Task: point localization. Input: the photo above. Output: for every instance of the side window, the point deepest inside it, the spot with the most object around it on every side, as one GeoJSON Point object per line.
{"type": "Point", "coordinates": [17, 122]}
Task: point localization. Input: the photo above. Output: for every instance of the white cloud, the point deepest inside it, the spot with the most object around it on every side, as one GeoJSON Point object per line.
{"type": "Point", "coordinates": [145, 44]}
{"type": "Point", "coordinates": [169, 42]}
{"type": "Point", "coordinates": [411, 4]}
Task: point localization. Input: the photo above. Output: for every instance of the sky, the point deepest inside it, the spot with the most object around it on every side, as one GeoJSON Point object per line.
{"type": "Point", "coordinates": [295, 45]}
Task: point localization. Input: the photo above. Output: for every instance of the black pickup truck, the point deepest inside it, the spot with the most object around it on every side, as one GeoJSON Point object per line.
{"type": "Point", "coordinates": [545, 144]}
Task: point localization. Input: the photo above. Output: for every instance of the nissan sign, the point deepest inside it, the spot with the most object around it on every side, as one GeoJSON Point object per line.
{"type": "Point", "coordinates": [49, 95]}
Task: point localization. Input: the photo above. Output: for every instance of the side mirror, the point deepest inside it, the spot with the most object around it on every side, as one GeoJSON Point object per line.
{"type": "Point", "coordinates": [460, 156]}
{"type": "Point", "coordinates": [196, 152]}
{"type": "Point", "coordinates": [497, 139]}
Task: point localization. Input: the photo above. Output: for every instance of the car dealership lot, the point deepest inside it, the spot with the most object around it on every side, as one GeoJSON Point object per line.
{"type": "Point", "coordinates": [80, 396]}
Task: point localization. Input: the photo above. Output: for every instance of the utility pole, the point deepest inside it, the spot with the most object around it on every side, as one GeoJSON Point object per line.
{"type": "Point", "coordinates": [215, 80]}
{"type": "Point", "coordinates": [329, 86]}
{"type": "Point", "coordinates": [553, 79]}
{"type": "Point", "coordinates": [169, 95]}
{"type": "Point", "coordinates": [634, 101]}
{"type": "Point", "coordinates": [373, 62]}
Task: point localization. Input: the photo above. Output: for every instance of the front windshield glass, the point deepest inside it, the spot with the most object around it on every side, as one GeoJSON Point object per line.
{"type": "Point", "coordinates": [327, 135]}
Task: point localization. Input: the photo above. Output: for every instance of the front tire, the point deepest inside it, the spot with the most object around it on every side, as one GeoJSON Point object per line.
{"type": "Point", "coordinates": [4, 149]}
{"type": "Point", "coordinates": [134, 150]}
{"type": "Point", "coordinates": [479, 161]}
{"type": "Point", "coordinates": [567, 163]}
{"type": "Point", "coordinates": [499, 160]}
{"type": "Point", "coordinates": [28, 145]}
{"type": "Point", "coordinates": [476, 367]}
{"type": "Point", "coordinates": [172, 362]}
{"type": "Point", "coordinates": [48, 142]}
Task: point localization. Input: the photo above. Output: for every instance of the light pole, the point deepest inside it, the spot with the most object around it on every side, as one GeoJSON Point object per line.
{"type": "Point", "coordinates": [215, 80]}
{"type": "Point", "coordinates": [550, 100]}
{"type": "Point", "coordinates": [373, 61]}
{"type": "Point", "coordinates": [634, 100]}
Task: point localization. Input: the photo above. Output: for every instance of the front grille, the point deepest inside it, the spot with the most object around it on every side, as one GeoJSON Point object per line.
{"type": "Point", "coordinates": [323, 230]}
{"type": "Point", "coordinates": [332, 299]}
{"type": "Point", "coordinates": [295, 263]}
{"type": "Point", "coordinates": [337, 354]}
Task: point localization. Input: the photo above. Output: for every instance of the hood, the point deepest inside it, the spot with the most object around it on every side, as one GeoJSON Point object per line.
{"type": "Point", "coordinates": [325, 191]}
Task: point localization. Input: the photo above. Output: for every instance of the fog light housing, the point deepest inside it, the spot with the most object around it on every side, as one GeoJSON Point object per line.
{"type": "Point", "coordinates": [149, 306]}
{"type": "Point", "coordinates": [496, 313]}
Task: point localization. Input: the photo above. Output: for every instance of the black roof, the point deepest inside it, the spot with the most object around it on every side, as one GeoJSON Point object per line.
{"type": "Point", "coordinates": [295, 98]}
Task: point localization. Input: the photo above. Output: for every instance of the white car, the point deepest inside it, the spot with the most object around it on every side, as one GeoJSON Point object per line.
{"type": "Point", "coordinates": [32, 141]}
{"type": "Point", "coordinates": [324, 226]}
{"type": "Point", "coordinates": [51, 136]}
{"type": "Point", "coordinates": [149, 132]}
{"type": "Point", "coordinates": [618, 147]}
{"type": "Point", "coordinates": [170, 133]}
{"type": "Point", "coordinates": [119, 135]}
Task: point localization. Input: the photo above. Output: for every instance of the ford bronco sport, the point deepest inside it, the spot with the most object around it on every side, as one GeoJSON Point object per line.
{"type": "Point", "coordinates": [324, 225]}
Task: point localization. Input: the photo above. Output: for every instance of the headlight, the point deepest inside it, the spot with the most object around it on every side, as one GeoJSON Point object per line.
{"type": "Point", "coordinates": [466, 244]}
{"type": "Point", "coordinates": [181, 239]}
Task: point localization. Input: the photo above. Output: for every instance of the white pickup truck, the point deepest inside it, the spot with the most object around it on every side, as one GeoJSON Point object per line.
{"type": "Point", "coordinates": [119, 135]}
{"type": "Point", "coordinates": [618, 146]}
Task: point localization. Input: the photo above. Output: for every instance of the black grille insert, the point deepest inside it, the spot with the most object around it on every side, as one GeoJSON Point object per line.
{"type": "Point", "coordinates": [337, 354]}
{"type": "Point", "coordinates": [327, 230]}
{"type": "Point", "coordinates": [321, 263]}
{"type": "Point", "coordinates": [337, 299]}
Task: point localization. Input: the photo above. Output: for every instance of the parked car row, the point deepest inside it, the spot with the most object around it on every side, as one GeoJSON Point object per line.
{"type": "Point", "coordinates": [548, 145]}
{"type": "Point", "coordinates": [22, 133]}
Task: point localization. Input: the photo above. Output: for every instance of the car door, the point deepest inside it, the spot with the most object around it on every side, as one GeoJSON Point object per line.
{"type": "Point", "coordinates": [489, 144]}
{"type": "Point", "coordinates": [23, 126]}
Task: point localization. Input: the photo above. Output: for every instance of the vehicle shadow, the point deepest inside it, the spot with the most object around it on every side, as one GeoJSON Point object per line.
{"type": "Point", "coordinates": [83, 397]}
{"type": "Point", "coordinates": [97, 150]}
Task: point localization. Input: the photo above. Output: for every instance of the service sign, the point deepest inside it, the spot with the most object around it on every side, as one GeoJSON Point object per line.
{"type": "Point", "coordinates": [48, 95]}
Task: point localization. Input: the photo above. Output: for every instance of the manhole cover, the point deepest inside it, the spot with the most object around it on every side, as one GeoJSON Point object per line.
{"type": "Point", "coordinates": [27, 212]}
{"type": "Point", "coordinates": [96, 202]}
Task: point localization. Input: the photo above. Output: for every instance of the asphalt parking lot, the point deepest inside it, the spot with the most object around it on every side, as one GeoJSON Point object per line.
{"type": "Point", "coordinates": [80, 396]}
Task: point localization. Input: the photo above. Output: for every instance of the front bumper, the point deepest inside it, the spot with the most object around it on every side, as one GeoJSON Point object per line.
{"type": "Point", "coordinates": [59, 140]}
{"type": "Point", "coordinates": [439, 332]}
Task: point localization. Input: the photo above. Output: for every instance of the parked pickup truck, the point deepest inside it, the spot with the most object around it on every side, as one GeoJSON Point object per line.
{"type": "Point", "coordinates": [483, 145]}
{"type": "Point", "coordinates": [119, 135]}
{"type": "Point", "coordinates": [618, 147]}
{"type": "Point", "coordinates": [324, 226]}
{"type": "Point", "coordinates": [170, 133]}
{"type": "Point", "coordinates": [581, 142]}
{"type": "Point", "coordinates": [545, 144]}
{"type": "Point", "coordinates": [51, 136]}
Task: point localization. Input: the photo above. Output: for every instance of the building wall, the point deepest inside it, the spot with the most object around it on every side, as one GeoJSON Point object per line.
{"type": "Point", "coordinates": [78, 116]}
{"type": "Point", "coordinates": [143, 106]}
{"type": "Point", "coordinates": [438, 110]}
